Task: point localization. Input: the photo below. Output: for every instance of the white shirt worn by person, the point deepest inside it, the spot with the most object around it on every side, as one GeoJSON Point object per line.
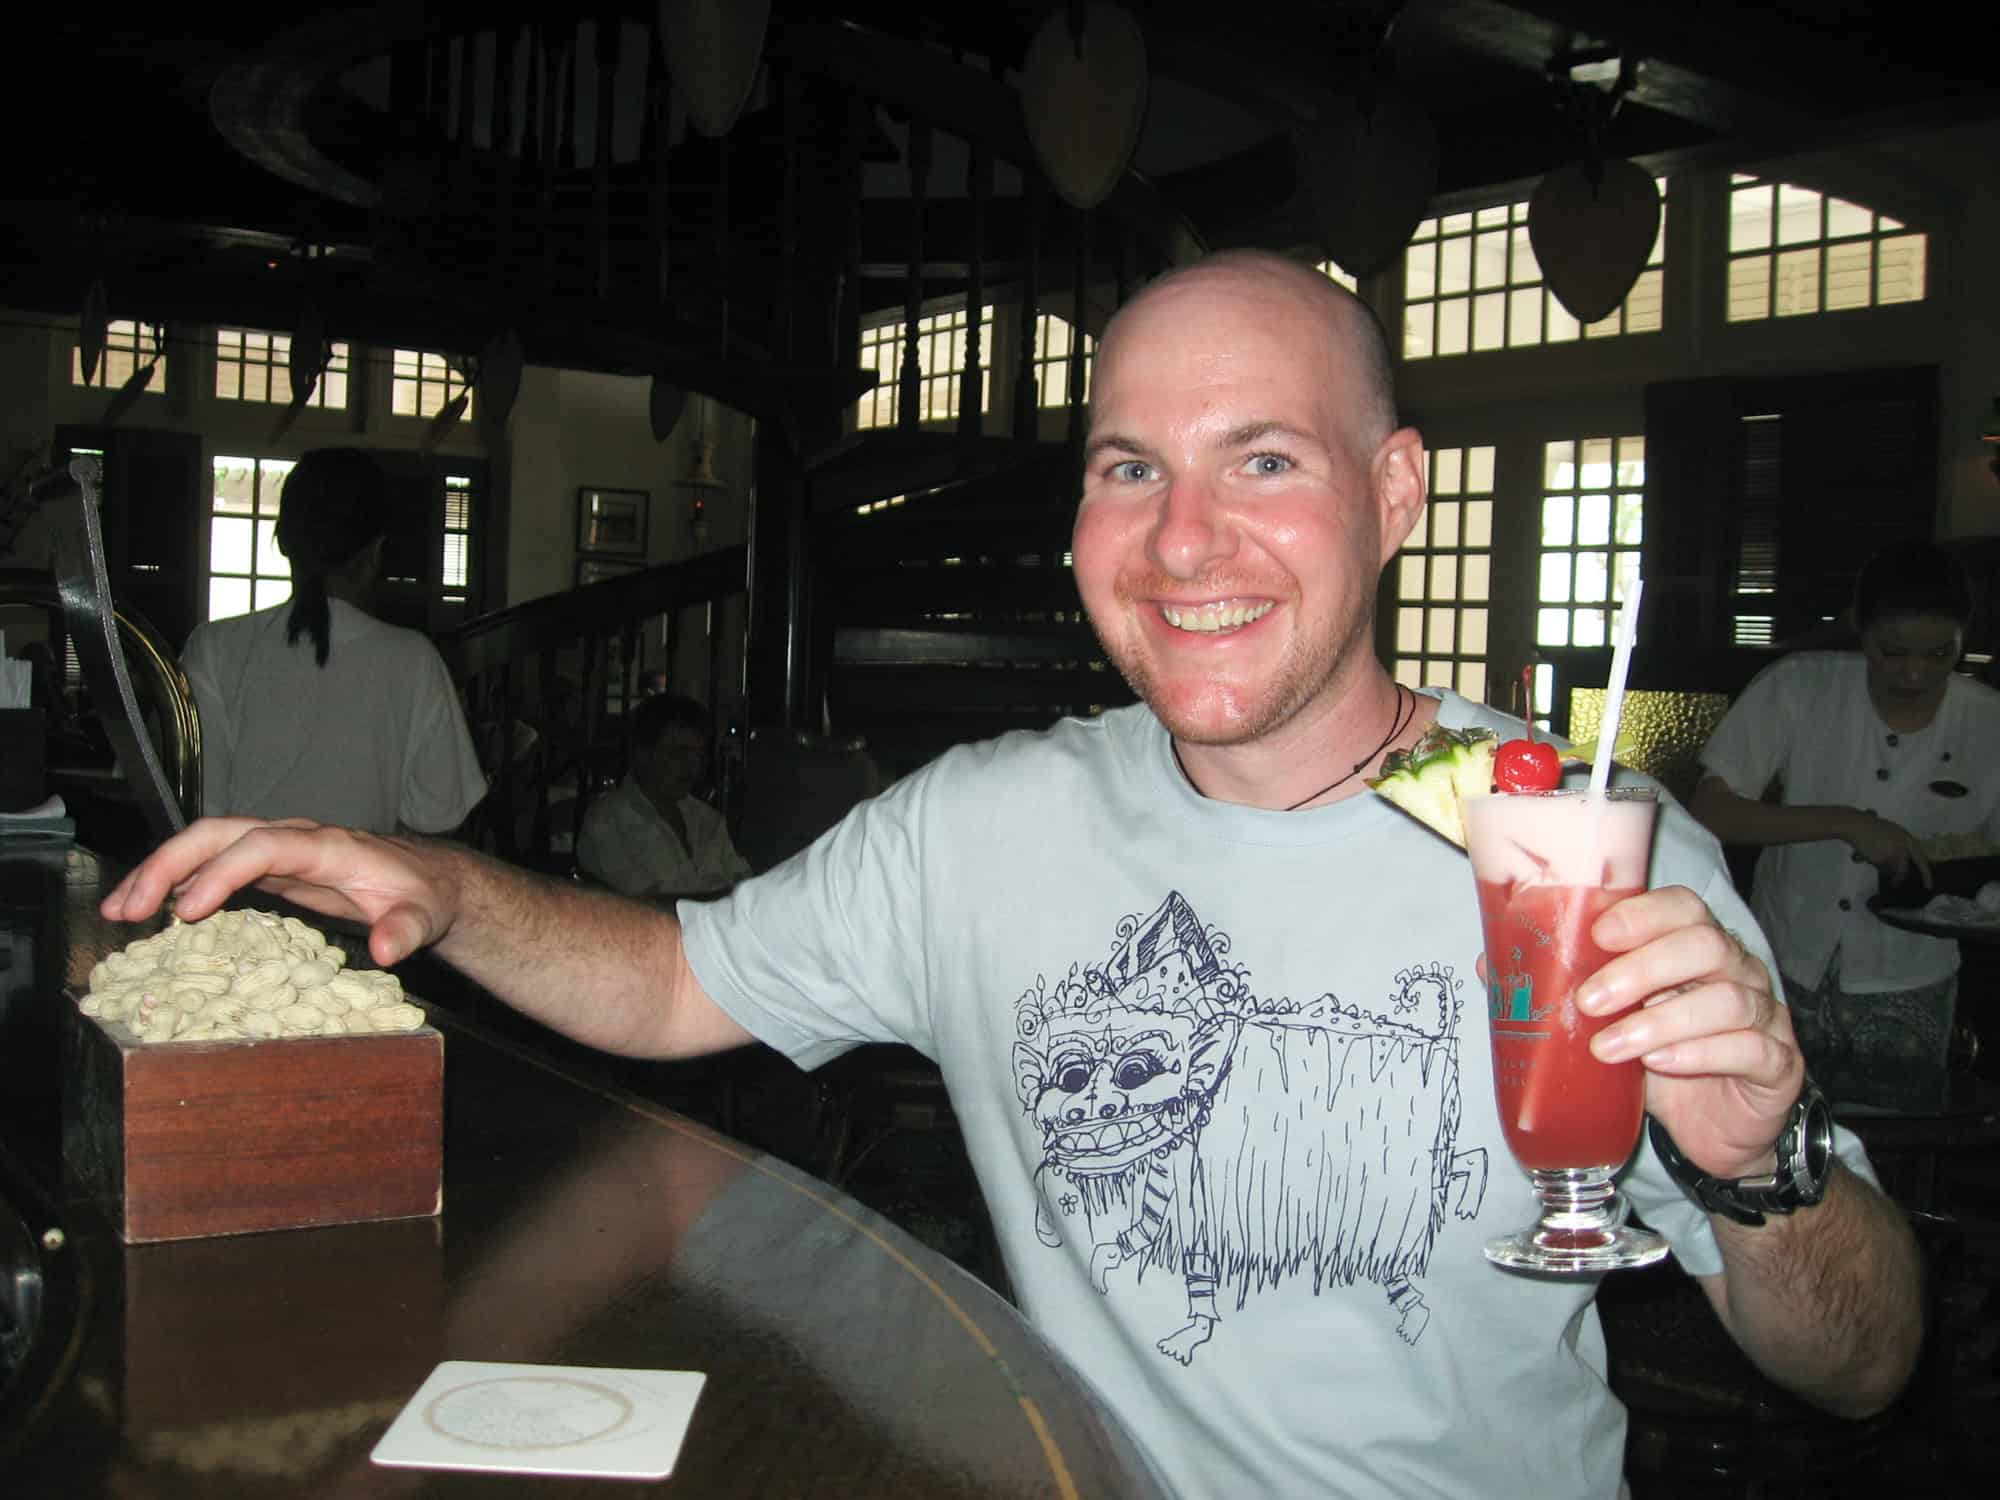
{"type": "Point", "coordinates": [1218, 1061]}
{"type": "Point", "coordinates": [1808, 720]}
{"type": "Point", "coordinates": [373, 739]}
{"type": "Point", "coordinates": [627, 844]}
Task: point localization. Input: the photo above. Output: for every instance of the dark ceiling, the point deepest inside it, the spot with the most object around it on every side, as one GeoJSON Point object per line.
{"type": "Point", "coordinates": [135, 163]}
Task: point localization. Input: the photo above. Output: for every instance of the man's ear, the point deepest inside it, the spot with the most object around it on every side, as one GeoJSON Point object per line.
{"type": "Point", "coordinates": [1400, 487]}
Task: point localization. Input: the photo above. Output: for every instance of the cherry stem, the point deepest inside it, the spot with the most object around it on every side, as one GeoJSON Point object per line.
{"type": "Point", "coordinates": [1528, 699]}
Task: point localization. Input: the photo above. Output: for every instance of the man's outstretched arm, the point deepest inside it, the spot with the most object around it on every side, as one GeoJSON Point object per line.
{"type": "Point", "coordinates": [607, 971]}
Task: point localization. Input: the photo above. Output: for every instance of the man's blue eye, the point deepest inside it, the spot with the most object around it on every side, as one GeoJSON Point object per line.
{"type": "Point", "coordinates": [1266, 464]}
{"type": "Point", "coordinates": [1133, 470]}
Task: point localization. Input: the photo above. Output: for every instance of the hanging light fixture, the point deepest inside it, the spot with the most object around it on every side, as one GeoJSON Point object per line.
{"type": "Point", "coordinates": [1083, 98]}
{"type": "Point", "coordinates": [93, 329]}
{"type": "Point", "coordinates": [701, 484]}
{"type": "Point", "coordinates": [1593, 222]}
{"type": "Point", "coordinates": [1368, 173]}
{"type": "Point", "coordinates": [499, 382]}
{"type": "Point", "coordinates": [665, 402]}
{"type": "Point", "coordinates": [714, 48]}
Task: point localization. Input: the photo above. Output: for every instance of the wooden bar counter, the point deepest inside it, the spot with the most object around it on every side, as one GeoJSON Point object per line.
{"type": "Point", "coordinates": [581, 1226]}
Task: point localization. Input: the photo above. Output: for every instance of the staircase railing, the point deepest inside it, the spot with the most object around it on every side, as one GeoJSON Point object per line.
{"type": "Point", "coordinates": [546, 683]}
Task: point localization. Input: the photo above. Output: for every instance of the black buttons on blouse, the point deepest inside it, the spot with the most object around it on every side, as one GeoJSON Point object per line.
{"type": "Point", "coordinates": [1845, 904]}
{"type": "Point", "coordinates": [1882, 773]}
{"type": "Point", "coordinates": [1893, 742]}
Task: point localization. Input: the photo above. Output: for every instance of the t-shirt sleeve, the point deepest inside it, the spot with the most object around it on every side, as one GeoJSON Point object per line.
{"type": "Point", "coordinates": [442, 777]}
{"type": "Point", "coordinates": [1747, 748]}
{"type": "Point", "coordinates": [827, 951]}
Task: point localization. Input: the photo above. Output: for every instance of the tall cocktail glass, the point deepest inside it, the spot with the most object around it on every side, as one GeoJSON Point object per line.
{"type": "Point", "coordinates": [1547, 863]}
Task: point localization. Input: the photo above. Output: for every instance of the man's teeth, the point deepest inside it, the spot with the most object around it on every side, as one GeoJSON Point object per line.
{"type": "Point", "coordinates": [1209, 618]}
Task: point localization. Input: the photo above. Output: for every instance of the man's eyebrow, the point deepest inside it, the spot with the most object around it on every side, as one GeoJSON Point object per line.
{"type": "Point", "coordinates": [1113, 442]}
{"type": "Point", "coordinates": [1255, 432]}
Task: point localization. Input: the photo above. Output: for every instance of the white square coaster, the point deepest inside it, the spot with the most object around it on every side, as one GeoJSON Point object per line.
{"type": "Point", "coordinates": [571, 1420]}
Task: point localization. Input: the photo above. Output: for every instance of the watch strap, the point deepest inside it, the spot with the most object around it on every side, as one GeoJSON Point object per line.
{"type": "Point", "coordinates": [1799, 1180]}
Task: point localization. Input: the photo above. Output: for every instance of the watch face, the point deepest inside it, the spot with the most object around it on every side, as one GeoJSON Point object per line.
{"type": "Point", "coordinates": [1816, 1140]}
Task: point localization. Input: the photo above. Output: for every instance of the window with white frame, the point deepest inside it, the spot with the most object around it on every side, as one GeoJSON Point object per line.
{"type": "Point", "coordinates": [246, 571]}
{"type": "Point", "coordinates": [1471, 284]}
{"type": "Point", "coordinates": [422, 384]}
{"type": "Point", "coordinates": [1795, 251]}
{"type": "Point", "coordinates": [941, 352]}
{"type": "Point", "coordinates": [1593, 521]}
{"type": "Point", "coordinates": [1444, 577]}
{"type": "Point", "coordinates": [251, 365]}
{"type": "Point", "coordinates": [1056, 344]}
{"type": "Point", "coordinates": [128, 346]}
{"type": "Point", "coordinates": [1331, 270]}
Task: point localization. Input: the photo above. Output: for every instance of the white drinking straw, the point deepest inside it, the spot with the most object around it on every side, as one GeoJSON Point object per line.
{"type": "Point", "coordinates": [1614, 690]}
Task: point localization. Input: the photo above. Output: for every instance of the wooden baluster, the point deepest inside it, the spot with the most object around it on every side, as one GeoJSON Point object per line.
{"type": "Point", "coordinates": [791, 95]}
{"type": "Point", "coordinates": [593, 701]}
{"type": "Point", "coordinates": [531, 100]}
{"type": "Point", "coordinates": [660, 140]}
{"type": "Point", "coordinates": [503, 722]}
{"type": "Point", "coordinates": [555, 96]}
{"type": "Point", "coordinates": [971, 381]}
{"type": "Point", "coordinates": [460, 193]}
{"type": "Point", "coordinates": [847, 306]}
{"type": "Point", "coordinates": [1129, 273]}
{"type": "Point", "coordinates": [911, 383]}
{"type": "Point", "coordinates": [722, 246]}
{"type": "Point", "coordinates": [437, 96]}
{"type": "Point", "coordinates": [553, 749]}
{"type": "Point", "coordinates": [1026, 390]}
{"type": "Point", "coordinates": [505, 40]}
{"type": "Point", "coordinates": [610, 33]}
{"type": "Point", "coordinates": [1079, 310]}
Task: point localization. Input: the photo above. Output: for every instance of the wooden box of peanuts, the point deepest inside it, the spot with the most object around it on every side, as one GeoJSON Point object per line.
{"type": "Point", "coordinates": [234, 1075]}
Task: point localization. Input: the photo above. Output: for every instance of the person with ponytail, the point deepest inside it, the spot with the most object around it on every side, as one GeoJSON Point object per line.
{"type": "Point", "coordinates": [314, 708]}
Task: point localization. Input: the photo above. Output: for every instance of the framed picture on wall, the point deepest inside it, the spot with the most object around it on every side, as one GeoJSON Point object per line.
{"type": "Point", "coordinates": [612, 522]}
{"type": "Point", "coordinates": [597, 569]}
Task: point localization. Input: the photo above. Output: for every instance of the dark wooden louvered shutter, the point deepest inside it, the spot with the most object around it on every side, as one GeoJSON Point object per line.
{"type": "Point", "coordinates": [1764, 497]}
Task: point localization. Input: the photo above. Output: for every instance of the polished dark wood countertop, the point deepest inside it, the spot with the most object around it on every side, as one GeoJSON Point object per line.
{"type": "Point", "coordinates": [582, 1225]}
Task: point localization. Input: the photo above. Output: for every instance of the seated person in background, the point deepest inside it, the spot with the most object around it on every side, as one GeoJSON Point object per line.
{"type": "Point", "coordinates": [651, 836]}
{"type": "Point", "coordinates": [1877, 752]}
{"type": "Point", "coordinates": [314, 708]}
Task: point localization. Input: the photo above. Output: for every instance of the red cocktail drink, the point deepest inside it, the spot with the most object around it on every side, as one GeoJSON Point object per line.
{"type": "Point", "coordinates": [1547, 865]}
{"type": "Point", "coordinates": [1583, 1111]}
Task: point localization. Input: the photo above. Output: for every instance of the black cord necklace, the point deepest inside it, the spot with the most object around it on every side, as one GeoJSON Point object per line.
{"type": "Point", "coordinates": [1406, 710]}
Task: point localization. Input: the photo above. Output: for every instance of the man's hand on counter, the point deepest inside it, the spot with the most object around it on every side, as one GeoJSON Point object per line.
{"type": "Point", "coordinates": [403, 890]}
{"type": "Point", "coordinates": [607, 971]}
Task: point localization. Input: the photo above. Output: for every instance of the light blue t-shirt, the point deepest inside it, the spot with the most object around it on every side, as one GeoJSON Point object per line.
{"type": "Point", "coordinates": [1219, 1061]}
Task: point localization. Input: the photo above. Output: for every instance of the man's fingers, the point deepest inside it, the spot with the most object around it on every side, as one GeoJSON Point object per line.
{"type": "Point", "coordinates": [168, 870]}
{"type": "Point", "coordinates": [1693, 1014]}
{"type": "Point", "coordinates": [397, 933]}
{"type": "Point", "coordinates": [1678, 957]}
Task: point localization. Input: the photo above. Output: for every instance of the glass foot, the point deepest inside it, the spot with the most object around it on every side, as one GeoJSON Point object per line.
{"type": "Point", "coordinates": [1582, 1229]}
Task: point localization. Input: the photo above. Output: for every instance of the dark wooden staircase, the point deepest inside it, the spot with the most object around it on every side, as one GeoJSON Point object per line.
{"type": "Point", "coordinates": [950, 614]}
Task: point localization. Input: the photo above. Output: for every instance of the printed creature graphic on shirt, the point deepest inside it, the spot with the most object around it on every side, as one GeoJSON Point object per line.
{"type": "Point", "coordinates": [1237, 1141]}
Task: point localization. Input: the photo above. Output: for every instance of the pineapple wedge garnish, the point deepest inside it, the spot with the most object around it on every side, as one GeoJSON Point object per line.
{"type": "Point", "coordinates": [1431, 778]}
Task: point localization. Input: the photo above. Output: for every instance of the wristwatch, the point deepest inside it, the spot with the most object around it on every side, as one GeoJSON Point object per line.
{"type": "Point", "coordinates": [1805, 1157]}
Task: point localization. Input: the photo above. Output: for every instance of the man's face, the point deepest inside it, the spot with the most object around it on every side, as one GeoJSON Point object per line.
{"type": "Point", "coordinates": [1910, 658]}
{"type": "Point", "coordinates": [1236, 514]}
{"type": "Point", "coordinates": [668, 771]}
